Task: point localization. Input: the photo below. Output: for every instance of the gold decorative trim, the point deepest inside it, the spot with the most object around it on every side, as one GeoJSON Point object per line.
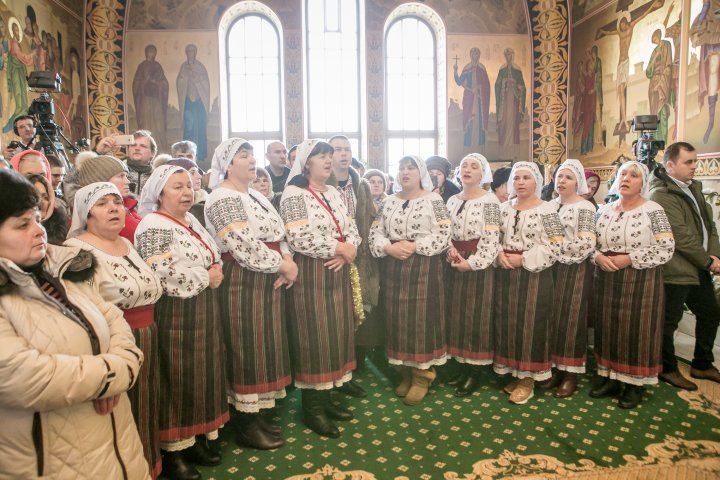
{"type": "Point", "coordinates": [700, 403]}
{"type": "Point", "coordinates": [672, 453]}
{"type": "Point", "coordinates": [550, 27]}
{"type": "Point", "coordinates": [105, 20]}
{"type": "Point", "coordinates": [332, 473]}
{"type": "Point", "coordinates": [708, 167]}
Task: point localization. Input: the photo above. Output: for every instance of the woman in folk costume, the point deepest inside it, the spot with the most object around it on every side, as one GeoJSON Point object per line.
{"type": "Point", "coordinates": [257, 264]}
{"type": "Point", "coordinates": [634, 240]}
{"type": "Point", "coordinates": [67, 357]}
{"type": "Point", "coordinates": [410, 234]}
{"type": "Point", "coordinates": [475, 216]}
{"type": "Point", "coordinates": [568, 346]}
{"type": "Point", "coordinates": [325, 239]}
{"type": "Point", "coordinates": [530, 237]}
{"type": "Point", "coordinates": [125, 280]}
{"type": "Point", "coordinates": [193, 401]}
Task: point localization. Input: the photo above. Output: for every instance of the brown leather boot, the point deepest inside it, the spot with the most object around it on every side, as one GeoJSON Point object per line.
{"type": "Point", "coordinates": [421, 380]}
{"type": "Point", "coordinates": [406, 382]}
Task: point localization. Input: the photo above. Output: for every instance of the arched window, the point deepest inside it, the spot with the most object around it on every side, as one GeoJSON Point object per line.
{"type": "Point", "coordinates": [333, 78]}
{"type": "Point", "coordinates": [253, 75]}
{"type": "Point", "coordinates": [414, 85]}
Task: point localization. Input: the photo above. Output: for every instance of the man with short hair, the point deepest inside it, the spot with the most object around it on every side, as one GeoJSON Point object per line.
{"type": "Point", "coordinates": [276, 155]}
{"type": "Point", "coordinates": [184, 149]}
{"type": "Point", "coordinates": [139, 160]}
{"type": "Point", "coordinates": [687, 275]}
{"type": "Point", "coordinates": [57, 174]}
{"type": "Point", "coordinates": [356, 194]}
{"type": "Point", "coordinates": [24, 127]}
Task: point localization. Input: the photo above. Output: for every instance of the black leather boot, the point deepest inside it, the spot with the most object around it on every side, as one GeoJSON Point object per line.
{"type": "Point", "coordinates": [631, 396]}
{"type": "Point", "coordinates": [470, 384]}
{"type": "Point", "coordinates": [268, 426]}
{"type": "Point", "coordinates": [200, 453]}
{"type": "Point", "coordinates": [175, 467]}
{"type": "Point", "coordinates": [353, 389]}
{"type": "Point", "coordinates": [337, 411]}
{"type": "Point", "coordinates": [314, 417]}
{"type": "Point", "coordinates": [551, 382]}
{"type": "Point", "coordinates": [251, 434]}
{"type": "Point", "coordinates": [608, 388]}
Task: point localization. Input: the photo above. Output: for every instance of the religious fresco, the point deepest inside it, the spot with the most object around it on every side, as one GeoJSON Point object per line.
{"type": "Point", "coordinates": [41, 36]}
{"type": "Point", "coordinates": [702, 122]}
{"type": "Point", "coordinates": [622, 65]}
{"type": "Point", "coordinates": [489, 93]}
{"type": "Point", "coordinates": [171, 87]}
{"type": "Point", "coordinates": [193, 14]}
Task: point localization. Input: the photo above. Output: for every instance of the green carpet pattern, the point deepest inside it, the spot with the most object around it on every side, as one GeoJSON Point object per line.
{"type": "Point", "coordinates": [481, 436]}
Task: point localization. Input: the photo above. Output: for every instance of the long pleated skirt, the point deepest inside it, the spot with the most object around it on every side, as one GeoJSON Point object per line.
{"type": "Point", "coordinates": [193, 399]}
{"type": "Point", "coordinates": [321, 329]}
{"type": "Point", "coordinates": [252, 315]}
{"type": "Point", "coordinates": [523, 318]}
{"type": "Point", "coordinates": [470, 298]}
{"type": "Point", "coordinates": [144, 397]}
{"type": "Point", "coordinates": [412, 293]}
{"type": "Point", "coordinates": [630, 306]}
{"type": "Point", "coordinates": [569, 338]}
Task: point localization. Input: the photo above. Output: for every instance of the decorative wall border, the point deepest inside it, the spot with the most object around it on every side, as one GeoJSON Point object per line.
{"type": "Point", "coordinates": [550, 23]}
{"type": "Point", "coordinates": [104, 41]}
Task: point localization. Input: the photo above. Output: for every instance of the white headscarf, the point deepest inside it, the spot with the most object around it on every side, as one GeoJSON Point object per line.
{"type": "Point", "coordinates": [85, 200]}
{"type": "Point", "coordinates": [487, 175]}
{"type": "Point", "coordinates": [644, 190]}
{"type": "Point", "coordinates": [304, 149]}
{"type": "Point", "coordinates": [221, 159]}
{"type": "Point", "coordinates": [154, 186]}
{"type": "Point", "coordinates": [530, 167]}
{"type": "Point", "coordinates": [425, 181]}
{"type": "Point", "coordinates": [579, 171]}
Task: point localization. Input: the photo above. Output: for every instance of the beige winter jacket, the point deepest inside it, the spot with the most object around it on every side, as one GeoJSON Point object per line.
{"type": "Point", "coordinates": [52, 365]}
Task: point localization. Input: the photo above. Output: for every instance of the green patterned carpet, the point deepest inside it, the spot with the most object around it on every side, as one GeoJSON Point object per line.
{"type": "Point", "coordinates": [483, 436]}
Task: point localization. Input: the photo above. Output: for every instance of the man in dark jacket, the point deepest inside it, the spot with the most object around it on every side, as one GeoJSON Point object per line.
{"type": "Point", "coordinates": [687, 275]}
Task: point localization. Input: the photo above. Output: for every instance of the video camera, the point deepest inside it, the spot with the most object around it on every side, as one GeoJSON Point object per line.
{"type": "Point", "coordinates": [645, 148]}
{"type": "Point", "coordinates": [42, 108]}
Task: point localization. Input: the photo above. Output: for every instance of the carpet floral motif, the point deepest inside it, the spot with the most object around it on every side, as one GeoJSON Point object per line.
{"type": "Point", "coordinates": [703, 454]}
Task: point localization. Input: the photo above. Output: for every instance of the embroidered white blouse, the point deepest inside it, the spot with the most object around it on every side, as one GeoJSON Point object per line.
{"type": "Point", "coordinates": [309, 227]}
{"type": "Point", "coordinates": [578, 222]}
{"type": "Point", "coordinates": [175, 255]}
{"type": "Point", "coordinates": [423, 220]}
{"type": "Point", "coordinates": [241, 224]}
{"type": "Point", "coordinates": [478, 218]}
{"type": "Point", "coordinates": [126, 281]}
{"type": "Point", "coordinates": [644, 233]}
{"type": "Point", "coordinates": [536, 232]}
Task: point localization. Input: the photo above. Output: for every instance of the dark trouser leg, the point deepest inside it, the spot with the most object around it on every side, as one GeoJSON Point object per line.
{"type": "Point", "coordinates": [674, 300]}
{"type": "Point", "coordinates": [702, 302]}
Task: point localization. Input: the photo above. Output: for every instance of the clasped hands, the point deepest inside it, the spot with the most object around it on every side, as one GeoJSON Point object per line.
{"type": "Point", "coordinates": [345, 253]}
{"type": "Point", "coordinates": [614, 263]}
{"type": "Point", "coordinates": [401, 250]}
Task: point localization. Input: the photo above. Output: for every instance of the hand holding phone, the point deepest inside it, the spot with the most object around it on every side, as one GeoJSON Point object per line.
{"type": "Point", "coordinates": [124, 140]}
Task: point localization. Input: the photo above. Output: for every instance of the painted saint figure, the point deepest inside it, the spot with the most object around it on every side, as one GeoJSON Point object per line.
{"type": "Point", "coordinates": [193, 86]}
{"type": "Point", "coordinates": [509, 101]}
{"type": "Point", "coordinates": [623, 28]}
{"type": "Point", "coordinates": [588, 106]}
{"type": "Point", "coordinates": [705, 33]}
{"type": "Point", "coordinates": [17, 63]}
{"type": "Point", "coordinates": [476, 98]}
{"type": "Point", "coordinates": [150, 92]}
{"type": "Point", "coordinates": [660, 73]}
